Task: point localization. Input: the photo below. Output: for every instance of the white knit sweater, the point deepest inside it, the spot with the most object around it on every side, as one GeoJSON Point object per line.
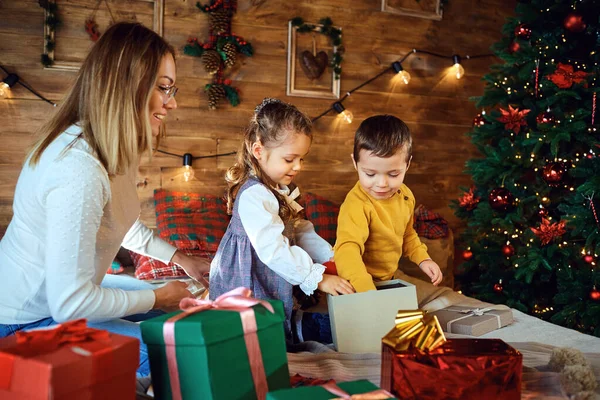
{"type": "Point", "coordinates": [69, 221]}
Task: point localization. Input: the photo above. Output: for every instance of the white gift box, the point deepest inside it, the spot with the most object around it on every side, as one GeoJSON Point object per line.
{"type": "Point", "coordinates": [360, 320]}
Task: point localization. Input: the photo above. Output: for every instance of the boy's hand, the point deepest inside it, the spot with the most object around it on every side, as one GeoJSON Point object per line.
{"type": "Point", "coordinates": [432, 270]}
{"type": "Point", "coordinates": [335, 285]}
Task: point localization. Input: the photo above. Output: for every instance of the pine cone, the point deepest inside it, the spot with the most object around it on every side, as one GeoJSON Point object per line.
{"type": "Point", "coordinates": [215, 94]}
{"type": "Point", "coordinates": [211, 60]}
{"type": "Point", "coordinates": [231, 53]}
{"type": "Point", "coordinates": [219, 21]}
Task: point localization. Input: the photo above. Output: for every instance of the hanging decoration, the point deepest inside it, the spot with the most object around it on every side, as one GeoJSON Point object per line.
{"type": "Point", "coordinates": [537, 77]}
{"type": "Point", "coordinates": [501, 199]}
{"type": "Point", "coordinates": [313, 64]}
{"type": "Point", "coordinates": [546, 117]}
{"type": "Point", "coordinates": [593, 108]}
{"type": "Point", "coordinates": [91, 27]}
{"type": "Point", "coordinates": [479, 120]}
{"type": "Point", "coordinates": [564, 76]}
{"type": "Point", "coordinates": [508, 250]}
{"type": "Point", "coordinates": [595, 294]}
{"type": "Point", "coordinates": [498, 287]}
{"type": "Point", "coordinates": [513, 119]}
{"type": "Point", "coordinates": [220, 52]}
{"type": "Point", "coordinates": [467, 254]}
{"type": "Point", "coordinates": [549, 231]}
{"type": "Point", "coordinates": [468, 200]}
{"type": "Point", "coordinates": [523, 31]}
{"type": "Point", "coordinates": [51, 22]}
{"type": "Point", "coordinates": [554, 173]}
{"type": "Point", "coordinates": [590, 198]}
{"type": "Point", "coordinates": [588, 258]}
{"type": "Point", "coordinates": [574, 23]}
{"type": "Point", "coordinates": [513, 47]}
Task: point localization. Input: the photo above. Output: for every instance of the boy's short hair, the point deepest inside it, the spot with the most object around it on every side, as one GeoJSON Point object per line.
{"type": "Point", "coordinates": [383, 135]}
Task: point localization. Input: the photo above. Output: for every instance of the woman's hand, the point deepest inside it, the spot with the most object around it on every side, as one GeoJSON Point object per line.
{"type": "Point", "coordinates": [169, 295]}
{"type": "Point", "coordinates": [335, 285]}
{"type": "Point", "coordinates": [195, 267]}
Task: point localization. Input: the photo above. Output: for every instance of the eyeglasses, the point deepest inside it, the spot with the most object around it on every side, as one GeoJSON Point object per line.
{"type": "Point", "coordinates": [168, 92]}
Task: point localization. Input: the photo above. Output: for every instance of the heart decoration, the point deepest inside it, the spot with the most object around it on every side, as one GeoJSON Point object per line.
{"type": "Point", "coordinates": [313, 66]}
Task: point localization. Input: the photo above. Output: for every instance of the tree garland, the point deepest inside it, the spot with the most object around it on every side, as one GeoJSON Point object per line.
{"type": "Point", "coordinates": [326, 28]}
{"type": "Point", "coordinates": [51, 22]}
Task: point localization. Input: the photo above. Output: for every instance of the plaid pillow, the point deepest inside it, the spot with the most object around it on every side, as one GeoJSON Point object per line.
{"type": "Point", "coordinates": [191, 222]}
{"type": "Point", "coordinates": [323, 214]}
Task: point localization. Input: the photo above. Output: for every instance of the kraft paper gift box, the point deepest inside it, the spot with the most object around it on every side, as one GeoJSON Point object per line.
{"type": "Point", "coordinates": [360, 320]}
{"type": "Point", "coordinates": [473, 321]}
{"type": "Point", "coordinates": [206, 354]}
{"type": "Point", "coordinates": [419, 363]}
{"type": "Point", "coordinates": [69, 361]}
{"type": "Point", "coordinates": [332, 391]}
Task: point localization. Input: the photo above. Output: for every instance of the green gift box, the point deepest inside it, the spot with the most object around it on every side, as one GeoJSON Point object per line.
{"type": "Point", "coordinates": [212, 357]}
{"type": "Point", "coordinates": [320, 393]}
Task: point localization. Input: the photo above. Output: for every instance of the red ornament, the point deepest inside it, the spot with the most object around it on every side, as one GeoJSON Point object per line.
{"type": "Point", "coordinates": [588, 258]}
{"type": "Point", "coordinates": [545, 118]}
{"type": "Point", "coordinates": [554, 172]}
{"type": "Point", "coordinates": [595, 294]}
{"type": "Point", "coordinates": [523, 31]}
{"type": "Point", "coordinates": [543, 212]}
{"type": "Point", "coordinates": [501, 199]}
{"type": "Point", "coordinates": [564, 76]}
{"type": "Point", "coordinates": [498, 287]}
{"type": "Point", "coordinates": [589, 156]}
{"type": "Point", "coordinates": [508, 250]}
{"type": "Point", "coordinates": [478, 120]}
{"type": "Point", "coordinates": [574, 23]}
{"type": "Point", "coordinates": [513, 47]}
{"type": "Point", "coordinates": [468, 200]}
{"type": "Point", "coordinates": [467, 254]}
{"type": "Point", "coordinates": [548, 232]}
{"type": "Point", "coordinates": [91, 27]}
{"type": "Point", "coordinates": [513, 119]}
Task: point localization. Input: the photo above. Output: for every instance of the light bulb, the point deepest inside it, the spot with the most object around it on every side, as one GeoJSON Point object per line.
{"type": "Point", "coordinates": [3, 90]}
{"type": "Point", "coordinates": [459, 71]}
{"type": "Point", "coordinates": [404, 76]}
{"type": "Point", "coordinates": [188, 173]}
{"type": "Point", "coordinates": [347, 115]}
{"type": "Point", "coordinates": [401, 73]}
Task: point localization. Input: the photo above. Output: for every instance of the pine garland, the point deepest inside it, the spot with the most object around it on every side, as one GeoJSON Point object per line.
{"type": "Point", "coordinates": [52, 22]}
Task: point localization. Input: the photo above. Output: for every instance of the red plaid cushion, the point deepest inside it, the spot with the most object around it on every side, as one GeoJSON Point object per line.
{"type": "Point", "coordinates": [430, 224]}
{"type": "Point", "coordinates": [191, 222]}
{"type": "Point", "coordinates": [323, 214]}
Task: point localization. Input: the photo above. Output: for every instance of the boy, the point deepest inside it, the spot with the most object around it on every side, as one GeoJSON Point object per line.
{"type": "Point", "coordinates": [375, 224]}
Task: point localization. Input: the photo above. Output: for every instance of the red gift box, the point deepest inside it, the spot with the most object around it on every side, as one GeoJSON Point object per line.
{"type": "Point", "coordinates": [70, 361]}
{"type": "Point", "coordinates": [465, 369]}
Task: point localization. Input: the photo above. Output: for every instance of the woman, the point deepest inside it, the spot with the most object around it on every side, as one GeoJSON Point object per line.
{"type": "Point", "coordinates": [76, 203]}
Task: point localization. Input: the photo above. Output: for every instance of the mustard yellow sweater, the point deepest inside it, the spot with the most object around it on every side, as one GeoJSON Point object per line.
{"type": "Point", "coordinates": [373, 234]}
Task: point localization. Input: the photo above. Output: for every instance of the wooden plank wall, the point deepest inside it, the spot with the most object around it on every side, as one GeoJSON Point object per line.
{"type": "Point", "coordinates": [434, 104]}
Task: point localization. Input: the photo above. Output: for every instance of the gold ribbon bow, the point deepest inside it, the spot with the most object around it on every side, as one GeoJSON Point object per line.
{"type": "Point", "coordinates": [415, 328]}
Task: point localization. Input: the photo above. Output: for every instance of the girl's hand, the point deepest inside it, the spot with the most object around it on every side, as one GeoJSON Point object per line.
{"type": "Point", "coordinates": [335, 285]}
{"type": "Point", "coordinates": [432, 270]}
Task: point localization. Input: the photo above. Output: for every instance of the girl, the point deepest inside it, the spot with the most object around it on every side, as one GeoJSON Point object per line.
{"type": "Point", "coordinates": [268, 247]}
{"type": "Point", "coordinates": [76, 203]}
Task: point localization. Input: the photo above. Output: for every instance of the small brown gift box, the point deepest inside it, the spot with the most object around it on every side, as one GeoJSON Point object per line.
{"type": "Point", "coordinates": [473, 321]}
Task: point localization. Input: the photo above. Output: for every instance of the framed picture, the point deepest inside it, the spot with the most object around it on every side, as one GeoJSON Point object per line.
{"type": "Point", "coordinates": [427, 9]}
{"type": "Point", "coordinates": [71, 41]}
{"type": "Point", "coordinates": [308, 65]}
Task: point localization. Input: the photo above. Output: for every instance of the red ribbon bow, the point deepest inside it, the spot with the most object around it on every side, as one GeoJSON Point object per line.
{"type": "Point", "coordinates": [235, 300]}
{"type": "Point", "coordinates": [379, 394]}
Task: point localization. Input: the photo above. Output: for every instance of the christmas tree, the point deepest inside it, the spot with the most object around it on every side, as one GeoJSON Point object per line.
{"type": "Point", "coordinates": [532, 236]}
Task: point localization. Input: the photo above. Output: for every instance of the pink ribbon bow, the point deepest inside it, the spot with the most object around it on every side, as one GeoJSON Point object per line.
{"type": "Point", "coordinates": [235, 300]}
{"type": "Point", "coordinates": [379, 394]}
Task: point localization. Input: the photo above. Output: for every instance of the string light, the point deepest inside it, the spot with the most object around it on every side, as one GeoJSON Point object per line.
{"type": "Point", "coordinates": [402, 74]}
{"type": "Point", "coordinates": [345, 114]}
{"type": "Point", "coordinates": [459, 71]}
{"type": "Point", "coordinates": [188, 171]}
{"type": "Point", "coordinates": [13, 79]}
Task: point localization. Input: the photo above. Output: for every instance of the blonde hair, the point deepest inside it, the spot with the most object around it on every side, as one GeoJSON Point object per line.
{"type": "Point", "coordinates": [111, 96]}
{"type": "Point", "coordinates": [272, 123]}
